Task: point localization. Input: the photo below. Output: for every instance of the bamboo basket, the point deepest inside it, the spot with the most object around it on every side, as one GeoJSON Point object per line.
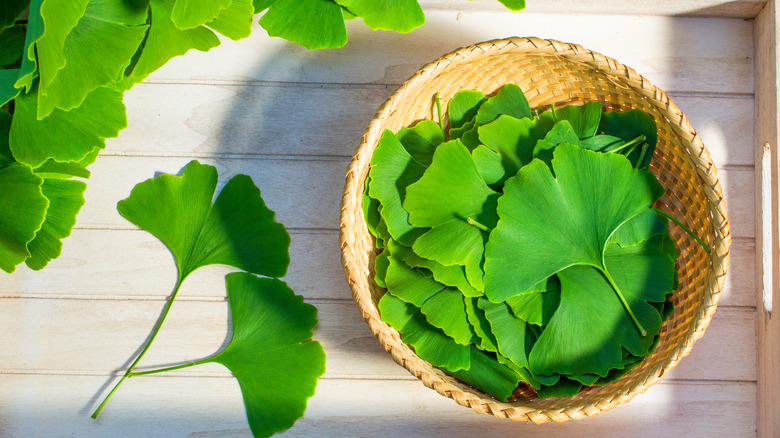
{"type": "Point", "coordinates": [551, 72]}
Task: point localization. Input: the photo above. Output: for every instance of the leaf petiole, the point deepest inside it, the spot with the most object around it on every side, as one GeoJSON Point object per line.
{"type": "Point", "coordinates": [631, 143]}
{"type": "Point", "coordinates": [129, 372]}
{"type": "Point", "coordinates": [622, 299]}
{"type": "Point", "coordinates": [474, 223]}
{"type": "Point", "coordinates": [437, 98]}
{"type": "Point", "coordinates": [173, 368]}
{"type": "Point", "coordinates": [687, 230]}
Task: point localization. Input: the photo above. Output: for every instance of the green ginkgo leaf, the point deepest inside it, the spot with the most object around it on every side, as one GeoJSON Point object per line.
{"type": "Point", "coordinates": [65, 135]}
{"type": "Point", "coordinates": [409, 285]}
{"type": "Point", "coordinates": [113, 29]}
{"type": "Point", "coordinates": [189, 14]}
{"type": "Point", "coordinates": [237, 230]}
{"type": "Point", "coordinates": [591, 324]}
{"type": "Point", "coordinates": [7, 89]}
{"type": "Point", "coordinates": [393, 170]}
{"type": "Point", "coordinates": [58, 18]}
{"type": "Point", "coordinates": [235, 22]}
{"type": "Point", "coordinates": [538, 305]}
{"type": "Point", "coordinates": [421, 140]}
{"type": "Point", "coordinates": [584, 119]}
{"type": "Point", "coordinates": [463, 107]}
{"type": "Point", "coordinates": [398, 15]}
{"type": "Point", "coordinates": [561, 132]}
{"type": "Point", "coordinates": [627, 125]}
{"type": "Point", "coordinates": [513, 5]}
{"type": "Point", "coordinates": [454, 276]}
{"type": "Point", "coordinates": [66, 197]}
{"type": "Point", "coordinates": [513, 337]}
{"type": "Point", "coordinates": [480, 325]}
{"type": "Point", "coordinates": [165, 41]}
{"type": "Point", "coordinates": [314, 24]}
{"type": "Point", "coordinates": [513, 140]}
{"type": "Point", "coordinates": [12, 44]}
{"type": "Point", "coordinates": [271, 352]}
{"type": "Point", "coordinates": [548, 224]}
{"type": "Point", "coordinates": [453, 199]}
{"type": "Point", "coordinates": [489, 375]}
{"type": "Point", "coordinates": [22, 212]}
{"type": "Point", "coordinates": [429, 342]}
{"type": "Point", "coordinates": [11, 10]}
{"type": "Point", "coordinates": [509, 100]}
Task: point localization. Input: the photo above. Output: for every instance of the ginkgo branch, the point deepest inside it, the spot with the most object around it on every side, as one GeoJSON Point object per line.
{"type": "Point", "coordinates": [129, 372]}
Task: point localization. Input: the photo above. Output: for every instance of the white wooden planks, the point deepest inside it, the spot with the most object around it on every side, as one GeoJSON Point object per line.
{"type": "Point", "coordinates": [46, 405]}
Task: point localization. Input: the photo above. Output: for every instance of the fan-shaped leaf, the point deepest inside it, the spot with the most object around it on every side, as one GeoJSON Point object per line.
{"type": "Point", "coordinates": [314, 24]}
{"type": "Point", "coordinates": [22, 212]}
{"type": "Point", "coordinates": [189, 14]}
{"type": "Point", "coordinates": [270, 352]}
{"type": "Point", "coordinates": [398, 15]}
{"type": "Point", "coordinates": [237, 230]}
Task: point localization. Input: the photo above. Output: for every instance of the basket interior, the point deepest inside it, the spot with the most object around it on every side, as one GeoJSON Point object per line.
{"type": "Point", "coordinates": [554, 79]}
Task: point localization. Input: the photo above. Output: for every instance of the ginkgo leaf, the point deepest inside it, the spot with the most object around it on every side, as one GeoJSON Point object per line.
{"type": "Point", "coordinates": [113, 29]}
{"type": "Point", "coordinates": [537, 306]}
{"type": "Point", "coordinates": [58, 18]}
{"type": "Point", "coordinates": [65, 135]}
{"type": "Point", "coordinates": [188, 14]}
{"type": "Point", "coordinates": [235, 22]}
{"type": "Point", "coordinates": [563, 387]}
{"type": "Point", "coordinates": [513, 5]}
{"type": "Point", "coordinates": [393, 169]}
{"type": "Point", "coordinates": [164, 41]}
{"type": "Point", "coordinates": [7, 89]}
{"type": "Point", "coordinates": [548, 224]}
{"type": "Point", "coordinates": [488, 375]}
{"type": "Point", "coordinates": [627, 125]}
{"type": "Point", "coordinates": [561, 132]}
{"type": "Point", "coordinates": [490, 165]}
{"type": "Point", "coordinates": [66, 197]}
{"type": "Point", "coordinates": [584, 119]}
{"type": "Point", "coordinates": [454, 276]}
{"type": "Point", "coordinates": [29, 66]}
{"type": "Point", "coordinates": [430, 343]}
{"type": "Point", "coordinates": [446, 310]}
{"type": "Point", "coordinates": [480, 325]}
{"type": "Point", "coordinates": [314, 24]}
{"type": "Point", "coordinates": [513, 338]}
{"type": "Point", "coordinates": [591, 324]}
{"type": "Point", "coordinates": [421, 140]}
{"type": "Point", "coordinates": [22, 212]}
{"type": "Point", "coordinates": [237, 230]}
{"type": "Point", "coordinates": [463, 107]}
{"type": "Point", "coordinates": [509, 100]}
{"type": "Point", "coordinates": [12, 44]}
{"type": "Point", "coordinates": [408, 285]}
{"type": "Point", "coordinates": [451, 197]}
{"type": "Point", "coordinates": [271, 352]}
{"type": "Point", "coordinates": [11, 10]}
{"type": "Point", "coordinates": [513, 139]}
{"type": "Point", "coordinates": [398, 15]}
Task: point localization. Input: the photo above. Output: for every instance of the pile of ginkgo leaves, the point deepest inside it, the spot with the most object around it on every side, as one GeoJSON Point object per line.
{"type": "Point", "coordinates": [521, 247]}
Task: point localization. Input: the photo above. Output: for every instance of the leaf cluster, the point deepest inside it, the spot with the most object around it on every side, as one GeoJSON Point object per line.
{"type": "Point", "coordinates": [270, 352]}
{"type": "Point", "coordinates": [320, 24]}
{"type": "Point", "coordinates": [63, 71]}
{"type": "Point", "coordinates": [519, 246]}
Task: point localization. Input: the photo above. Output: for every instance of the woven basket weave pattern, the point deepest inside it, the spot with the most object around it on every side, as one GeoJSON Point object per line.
{"type": "Point", "coordinates": [551, 72]}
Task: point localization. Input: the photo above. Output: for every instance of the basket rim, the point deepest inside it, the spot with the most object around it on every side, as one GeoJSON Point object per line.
{"type": "Point", "coordinates": [706, 172]}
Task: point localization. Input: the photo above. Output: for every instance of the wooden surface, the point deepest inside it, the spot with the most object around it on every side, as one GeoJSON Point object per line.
{"type": "Point", "coordinates": [291, 119]}
{"type": "Point", "coordinates": [767, 44]}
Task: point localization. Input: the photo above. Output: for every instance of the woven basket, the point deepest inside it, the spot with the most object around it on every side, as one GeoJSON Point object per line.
{"type": "Point", "coordinates": [551, 72]}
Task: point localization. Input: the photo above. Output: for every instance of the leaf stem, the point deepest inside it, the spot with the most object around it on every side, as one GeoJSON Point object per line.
{"type": "Point", "coordinates": [687, 230]}
{"type": "Point", "coordinates": [622, 299]}
{"type": "Point", "coordinates": [173, 368]}
{"type": "Point", "coordinates": [129, 373]}
{"type": "Point", "coordinates": [641, 138]}
{"type": "Point", "coordinates": [437, 98]}
{"type": "Point", "coordinates": [474, 223]}
{"type": "Point", "coordinates": [645, 147]}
